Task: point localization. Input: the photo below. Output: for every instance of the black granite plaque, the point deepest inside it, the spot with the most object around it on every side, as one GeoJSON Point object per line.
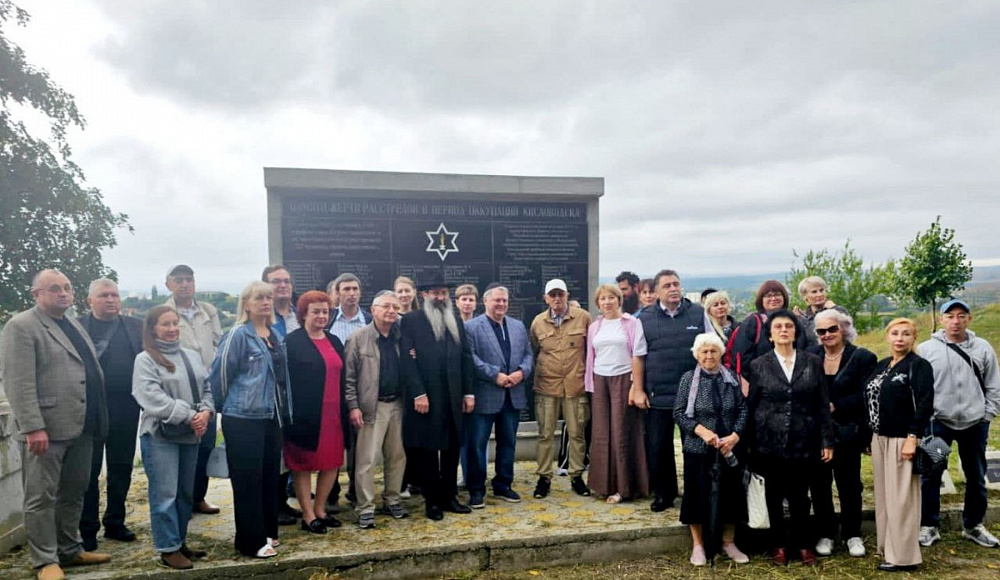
{"type": "Point", "coordinates": [520, 245]}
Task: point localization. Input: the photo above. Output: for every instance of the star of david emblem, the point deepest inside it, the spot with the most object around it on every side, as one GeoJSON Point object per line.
{"type": "Point", "coordinates": [442, 241]}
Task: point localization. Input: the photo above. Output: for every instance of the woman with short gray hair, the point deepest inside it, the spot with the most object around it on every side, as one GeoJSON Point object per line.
{"type": "Point", "coordinates": [812, 289]}
{"type": "Point", "coordinates": [711, 413]}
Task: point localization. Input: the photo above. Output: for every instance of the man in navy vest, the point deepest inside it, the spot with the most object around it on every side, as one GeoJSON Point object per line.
{"type": "Point", "coordinates": [670, 326]}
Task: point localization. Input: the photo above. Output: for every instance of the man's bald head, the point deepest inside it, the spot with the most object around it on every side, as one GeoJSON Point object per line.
{"type": "Point", "coordinates": [53, 292]}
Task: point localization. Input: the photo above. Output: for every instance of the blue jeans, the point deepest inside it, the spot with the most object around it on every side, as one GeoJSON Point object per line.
{"type": "Point", "coordinates": [477, 431]}
{"type": "Point", "coordinates": [170, 470]}
{"type": "Point", "coordinates": [972, 452]}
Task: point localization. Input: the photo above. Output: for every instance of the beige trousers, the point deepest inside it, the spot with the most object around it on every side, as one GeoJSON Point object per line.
{"type": "Point", "coordinates": [897, 502]}
{"type": "Point", "coordinates": [385, 435]}
{"type": "Point", "coordinates": [575, 411]}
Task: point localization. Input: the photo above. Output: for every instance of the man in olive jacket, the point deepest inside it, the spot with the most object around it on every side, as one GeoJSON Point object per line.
{"type": "Point", "coordinates": [56, 391]}
{"type": "Point", "coordinates": [559, 340]}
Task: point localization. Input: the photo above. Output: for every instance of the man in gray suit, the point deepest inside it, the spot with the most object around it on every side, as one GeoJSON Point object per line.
{"type": "Point", "coordinates": [503, 359]}
{"type": "Point", "coordinates": [56, 391]}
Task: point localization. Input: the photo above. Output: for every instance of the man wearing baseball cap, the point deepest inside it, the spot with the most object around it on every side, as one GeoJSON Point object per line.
{"type": "Point", "coordinates": [966, 398]}
{"type": "Point", "coordinates": [559, 340]}
{"type": "Point", "coordinates": [200, 331]}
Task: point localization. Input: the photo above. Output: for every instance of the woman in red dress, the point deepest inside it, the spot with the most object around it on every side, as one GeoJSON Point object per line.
{"type": "Point", "coordinates": [315, 439]}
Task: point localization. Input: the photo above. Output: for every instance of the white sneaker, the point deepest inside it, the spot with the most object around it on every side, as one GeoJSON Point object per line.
{"type": "Point", "coordinates": [824, 547]}
{"type": "Point", "coordinates": [405, 494]}
{"type": "Point", "coordinates": [981, 536]}
{"type": "Point", "coordinates": [855, 547]}
{"type": "Point", "coordinates": [735, 554]}
{"type": "Point", "coordinates": [929, 535]}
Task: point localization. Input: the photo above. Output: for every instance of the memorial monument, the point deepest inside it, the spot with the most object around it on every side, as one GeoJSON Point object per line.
{"type": "Point", "coordinates": [476, 229]}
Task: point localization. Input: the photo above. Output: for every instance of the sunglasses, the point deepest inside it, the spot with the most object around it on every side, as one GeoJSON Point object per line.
{"type": "Point", "coordinates": [831, 330]}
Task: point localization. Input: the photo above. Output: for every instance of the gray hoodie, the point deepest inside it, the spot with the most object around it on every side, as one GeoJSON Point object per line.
{"type": "Point", "coordinates": [959, 401]}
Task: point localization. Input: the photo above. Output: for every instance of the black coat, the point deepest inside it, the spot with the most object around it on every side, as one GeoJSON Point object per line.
{"type": "Point", "coordinates": [752, 342]}
{"type": "Point", "coordinates": [906, 399]}
{"type": "Point", "coordinates": [307, 375]}
{"type": "Point", "coordinates": [444, 372]}
{"type": "Point", "coordinates": [848, 390]}
{"type": "Point", "coordinates": [132, 327]}
{"type": "Point", "coordinates": [789, 420]}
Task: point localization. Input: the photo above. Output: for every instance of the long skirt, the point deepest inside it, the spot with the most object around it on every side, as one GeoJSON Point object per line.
{"type": "Point", "coordinates": [897, 502]}
{"type": "Point", "coordinates": [617, 446]}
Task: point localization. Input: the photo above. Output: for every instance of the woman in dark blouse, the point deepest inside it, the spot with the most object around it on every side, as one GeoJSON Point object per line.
{"type": "Point", "coordinates": [900, 397]}
{"type": "Point", "coordinates": [711, 412]}
{"type": "Point", "coordinates": [315, 439]}
{"type": "Point", "coordinates": [791, 426]}
{"type": "Point", "coordinates": [845, 368]}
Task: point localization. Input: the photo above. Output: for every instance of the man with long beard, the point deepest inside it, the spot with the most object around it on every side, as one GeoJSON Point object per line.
{"type": "Point", "coordinates": [437, 374]}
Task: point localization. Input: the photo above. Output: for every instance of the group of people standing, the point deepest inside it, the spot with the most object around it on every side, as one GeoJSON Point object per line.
{"type": "Point", "coordinates": [304, 387]}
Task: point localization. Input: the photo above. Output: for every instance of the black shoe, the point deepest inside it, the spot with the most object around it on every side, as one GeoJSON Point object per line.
{"type": "Point", "coordinates": [316, 526]}
{"type": "Point", "coordinates": [192, 554]}
{"type": "Point", "coordinates": [286, 520]}
{"type": "Point", "coordinates": [660, 504]}
{"type": "Point", "coordinates": [457, 507]}
{"type": "Point", "coordinates": [579, 486]}
{"type": "Point", "coordinates": [507, 494]}
{"type": "Point", "coordinates": [286, 509]}
{"type": "Point", "coordinates": [331, 522]}
{"type": "Point", "coordinates": [90, 543]}
{"type": "Point", "coordinates": [433, 512]}
{"type": "Point", "coordinates": [122, 534]}
{"type": "Point", "coordinates": [542, 488]}
{"type": "Point", "coordinates": [887, 567]}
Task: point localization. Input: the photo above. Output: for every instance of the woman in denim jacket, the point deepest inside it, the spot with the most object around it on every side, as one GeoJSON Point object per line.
{"type": "Point", "coordinates": [249, 380]}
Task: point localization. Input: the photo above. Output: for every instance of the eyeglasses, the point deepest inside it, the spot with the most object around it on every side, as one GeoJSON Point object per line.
{"type": "Point", "coordinates": [280, 281]}
{"type": "Point", "coordinates": [772, 295]}
{"type": "Point", "coordinates": [824, 331]}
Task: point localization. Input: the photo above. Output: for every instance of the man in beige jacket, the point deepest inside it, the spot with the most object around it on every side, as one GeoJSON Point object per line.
{"type": "Point", "coordinates": [373, 393]}
{"type": "Point", "coordinates": [559, 339]}
{"type": "Point", "coordinates": [56, 391]}
{"type": "Point", "coordinates": [200, 331]}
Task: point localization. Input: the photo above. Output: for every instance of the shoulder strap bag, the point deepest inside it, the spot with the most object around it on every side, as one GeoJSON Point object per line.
{"type": "Point", "coordinates": [931, 456]}
{"type": "Point", "coordinates": [968, 360]}
{"type": "Point", "coordinates": [181, 430]}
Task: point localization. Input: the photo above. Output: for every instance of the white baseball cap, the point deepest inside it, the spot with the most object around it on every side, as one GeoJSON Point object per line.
{"type": "Point", "coordinates": [555, 284]}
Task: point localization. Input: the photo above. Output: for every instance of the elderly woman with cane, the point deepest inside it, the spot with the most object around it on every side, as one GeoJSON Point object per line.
{"type": "Point", "coordinates": [711, 412]}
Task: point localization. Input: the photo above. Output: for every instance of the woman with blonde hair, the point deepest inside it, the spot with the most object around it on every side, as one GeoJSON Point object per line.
{"type": "Point", "coordinates": [249, 379]}
{"type": "Point", "coordinates": [614, 377]}
{"type": "Point", "coordinates": [718, 310]}
{"type": "Point", "coordinates": [900, 397]}
{"type": "Point", "coordinates": [812, 290]}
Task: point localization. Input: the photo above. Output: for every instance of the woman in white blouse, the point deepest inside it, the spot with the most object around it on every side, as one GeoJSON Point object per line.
{"type": "Point", "coordinates": [615, 343]}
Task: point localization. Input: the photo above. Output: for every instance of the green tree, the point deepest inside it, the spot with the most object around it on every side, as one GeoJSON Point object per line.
{"type": "Point", "coordinates": [48, 218]}
{"type": "Point", "coordinates": [935, 266]}
{"type": "Point", "coordinates": [849, 283]}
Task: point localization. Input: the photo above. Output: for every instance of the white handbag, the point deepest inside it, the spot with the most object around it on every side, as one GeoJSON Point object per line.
{"type": "Point", "coordinates": [757, 517]}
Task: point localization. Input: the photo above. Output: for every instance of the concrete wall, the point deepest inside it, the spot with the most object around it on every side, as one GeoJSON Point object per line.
{"type": "Point", "coordinates": [11, 491]}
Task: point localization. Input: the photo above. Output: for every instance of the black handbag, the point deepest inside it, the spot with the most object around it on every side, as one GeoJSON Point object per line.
{"type": "Point", "coordinates": [931, 456]}
{"type": "Point", "coordinates": [175, 431]}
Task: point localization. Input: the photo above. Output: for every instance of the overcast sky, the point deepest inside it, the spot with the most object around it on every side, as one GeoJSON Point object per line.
{"type": "Point", "coordinates": [728, 133]}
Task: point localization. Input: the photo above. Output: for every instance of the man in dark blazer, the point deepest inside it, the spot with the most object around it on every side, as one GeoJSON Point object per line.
{"type": "Point", "coordinates": [437, 374]}
{"type": "Point", "coordinates": [56, 391]}
{"type": "Point", "coordinates": [503, 359]}
{"type": "Point", "coordinates": [117, 340]}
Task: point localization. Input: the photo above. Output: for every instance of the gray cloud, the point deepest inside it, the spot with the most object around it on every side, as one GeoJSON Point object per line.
{"type": "Point", "coordinates": [729, 133]}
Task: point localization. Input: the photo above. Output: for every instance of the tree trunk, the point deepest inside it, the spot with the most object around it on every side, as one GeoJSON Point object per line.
{"type": "Point", "coordinates": [933, 316]}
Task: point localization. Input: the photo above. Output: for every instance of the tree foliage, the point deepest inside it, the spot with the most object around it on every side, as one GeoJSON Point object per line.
{"type": "Point", "coordinates": [849, 283]}
{"type": "Point", "coordinates": [48, 218]}
{"type": "Point", "coordinates": [935, 266]}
